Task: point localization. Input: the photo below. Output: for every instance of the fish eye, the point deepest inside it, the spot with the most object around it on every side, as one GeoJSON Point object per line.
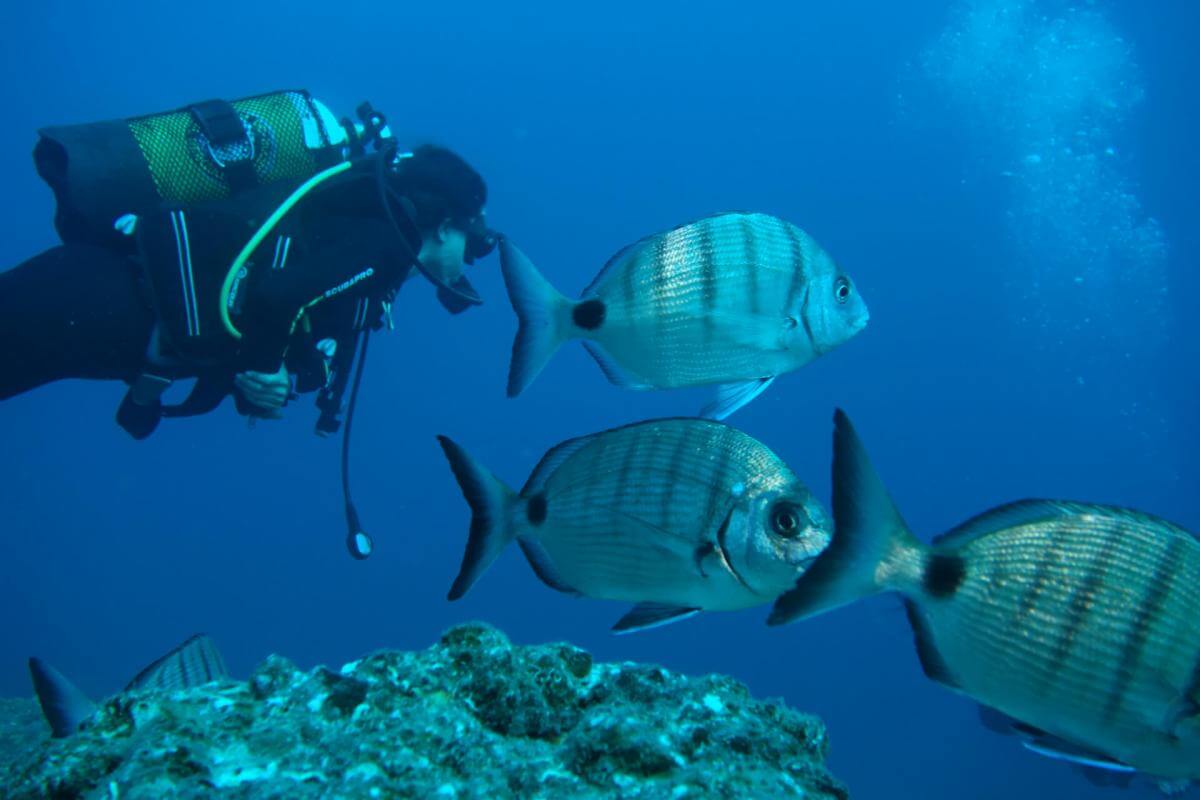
{"type": "Point", "coordinates": [785, 520]}
{"type": "Point", "coordinates": [841, 289]}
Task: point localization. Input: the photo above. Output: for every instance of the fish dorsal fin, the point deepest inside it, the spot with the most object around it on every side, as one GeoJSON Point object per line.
{"type": "Point", "coordinates": [1024, 512]}
{"type": "Point", "coordinates": [617, 375]}
{"type": "Point", "coordinates": [63, 704]}
{"type": "Point", "coordinates": [625, 253]}
{"type": "Point", "coordinates": [193, 663]}
{"type": "Point", "coordinates": [553, 459]}
{"type": "Point", "coordinates": [544, 568]}
{"type": "Point", "coordinates": [644, 616]}
{"type": "Point", "coordinates": [732, 396]}
{"type": "Point", "coordinates": [614, 262]}
{"type": "Point", "coordinates": [1009, 515]}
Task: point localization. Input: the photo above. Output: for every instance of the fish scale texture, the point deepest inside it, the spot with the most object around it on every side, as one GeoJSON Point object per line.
{"type": "Point", "coordinates": [708, 302]}
{"type": "Point", "coordinates": [472, 717]}
{"type": "Point", "coordinates": [1084, 626]}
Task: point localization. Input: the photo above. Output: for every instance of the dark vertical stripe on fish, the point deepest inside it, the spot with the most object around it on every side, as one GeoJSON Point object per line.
{"type": "Point", "coordinates": [1148, 609]}
{"type": "Point", "coordinates": [799, 268]}
{"type": "Point", "coordinates": [1081, 601]}
{"type": "Point", "coordinates": [658, 291]}
{"type": "Point", "coordinates": [716, 478]}
{"type": "Point", "coordinates": [627, 460]}
{"type": "Point", "coordinates": [627, 270]}
{"type": "Point", "coordinates": [708, 275]}
{"type": "Point", "coordinates": [1050, 556]}
{"type": "Point", "coordinates": [751, 270]}
{"type": "Point", "coordinates": [674, 471]}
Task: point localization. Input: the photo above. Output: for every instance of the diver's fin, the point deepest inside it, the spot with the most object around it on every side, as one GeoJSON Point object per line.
{"type": "Point", "coordinates": [644, 616]}
{"type": "Point", "coordinates": [194, 663]}
{"type": "Point", "coordinates": [544, 568]}
{"type": "Point", "coordinates": [63, 704]}
{"type": "Point", "coordinates": [540, 309]}
{"type": "Point", "coordinates": [489, 499]}
{"type": "Point", "coordinates": [732, 396]}
{"type": "Point", "coordinates": [866, 527]}
{"type": "Point", "coordinates": [616, 375]}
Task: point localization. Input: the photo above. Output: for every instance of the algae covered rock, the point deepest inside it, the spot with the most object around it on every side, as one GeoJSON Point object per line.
{"type": "Point", "coordinates": [472, 717]}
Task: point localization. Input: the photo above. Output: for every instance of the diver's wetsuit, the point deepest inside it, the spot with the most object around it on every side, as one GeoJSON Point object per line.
{"type": "Point", "coordinates": [80, 311]}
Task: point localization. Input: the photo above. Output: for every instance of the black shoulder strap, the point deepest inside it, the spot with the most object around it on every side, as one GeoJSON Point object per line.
{"type": "Point", "coordinates": [229, 143]}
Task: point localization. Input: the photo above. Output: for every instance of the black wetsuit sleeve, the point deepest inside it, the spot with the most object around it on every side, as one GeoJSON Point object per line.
{"type": "Point", "coordinates": [355, 257]}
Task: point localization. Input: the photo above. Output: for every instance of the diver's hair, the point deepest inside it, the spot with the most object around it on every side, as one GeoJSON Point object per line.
{"type": "Point", "coordinates": [441, 185]}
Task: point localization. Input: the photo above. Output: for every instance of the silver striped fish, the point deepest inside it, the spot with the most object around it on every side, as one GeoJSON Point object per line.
{"type": "Point", "coordinates": [193, 663]}
{"type": "Point", "coordinates": [734, 299]}
{"type": "Point", "coordinates": [1080, 622]}
{"type": "Point", "coordinates": [675, 515]}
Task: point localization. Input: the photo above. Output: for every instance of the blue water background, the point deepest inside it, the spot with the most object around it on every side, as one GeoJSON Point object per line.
{"type": "Point", "coordinates": [595, 125]}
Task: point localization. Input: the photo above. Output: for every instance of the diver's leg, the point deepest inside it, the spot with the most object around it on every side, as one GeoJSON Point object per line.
{"type": "Point", "coordinates": [72, 312]}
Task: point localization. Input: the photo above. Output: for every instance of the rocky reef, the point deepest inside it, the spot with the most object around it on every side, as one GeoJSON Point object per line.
{"type": "Point", "coordinates": [471, 717]}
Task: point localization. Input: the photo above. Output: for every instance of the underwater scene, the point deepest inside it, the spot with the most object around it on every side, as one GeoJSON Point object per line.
{"type": "Point", "coordinates": [763, 400]}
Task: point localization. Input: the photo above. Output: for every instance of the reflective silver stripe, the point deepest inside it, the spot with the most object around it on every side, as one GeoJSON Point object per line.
{"type": "Point", "coordinates": [360, 314]}
{"type": "Point", "coordinates": [283, 246]}
{"type": "Point", "coordinates": [184, 271]}
{"type": "Point", "coordinates": [187, 256]}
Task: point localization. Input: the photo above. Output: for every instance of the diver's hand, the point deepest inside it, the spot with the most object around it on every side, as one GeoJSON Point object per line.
{"type": "Point", "coordinates": [265, 390]}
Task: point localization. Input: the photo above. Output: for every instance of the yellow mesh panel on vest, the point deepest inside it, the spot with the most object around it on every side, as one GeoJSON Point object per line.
{"type": "Point", "coordinates": [184, 170]}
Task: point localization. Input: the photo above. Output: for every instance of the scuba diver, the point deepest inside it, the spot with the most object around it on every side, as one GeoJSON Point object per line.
{"type": "Point", "coordinates": [250, 245]}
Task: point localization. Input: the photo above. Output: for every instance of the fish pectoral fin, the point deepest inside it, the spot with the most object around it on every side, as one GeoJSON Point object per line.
{"type": "Point", "coordinates": [732, 396]}
{"type": "Point", "coordinates": [616, 374]}
{"type": "Point", "coordinates": [644, 616]}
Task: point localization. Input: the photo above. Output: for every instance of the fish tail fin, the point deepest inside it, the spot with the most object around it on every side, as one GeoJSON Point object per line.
{"type": "Point", "coordinates": [490, 500]}
{"type": "Point", "coordinates": [63, 704]}
{"type": "Point", "coordinates": [541, 313]}
{"type": "Point", "coordinates": [867, 530]}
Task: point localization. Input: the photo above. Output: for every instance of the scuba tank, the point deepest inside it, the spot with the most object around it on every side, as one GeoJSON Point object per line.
{"type": "Point", "coordinates": [210, 150]}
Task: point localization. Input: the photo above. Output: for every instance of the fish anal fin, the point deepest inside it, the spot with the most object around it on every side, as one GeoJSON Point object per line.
{"type": "Point", "coordinates": [644, 616]}
{"type": "Point", "coordinates": [543, 567]}
{"type": "Point", "coordinates": [616, 374]}
{"type": "Point", "coordinates": [932, 662]}
{"type": "Point", "coordinates": [733, 396]}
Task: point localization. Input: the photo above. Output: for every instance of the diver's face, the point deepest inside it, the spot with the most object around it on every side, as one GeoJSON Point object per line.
{"type": "Point", "coordinates": [443, 251]}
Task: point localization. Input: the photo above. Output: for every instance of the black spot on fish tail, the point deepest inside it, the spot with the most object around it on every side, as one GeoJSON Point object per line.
{"type": "Point", "coordinates": [1081, 602]}
{"type": "Point", "coordinates": [589, 314]}
{"type": "Point", "coordinates": [1148, 610]}
{"type": "Point", "coordinates": [943, 574]}
{"type": "Point", "coordinates": [751, 243]}
{"type": "Point", "coordinates": [535, 509]}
